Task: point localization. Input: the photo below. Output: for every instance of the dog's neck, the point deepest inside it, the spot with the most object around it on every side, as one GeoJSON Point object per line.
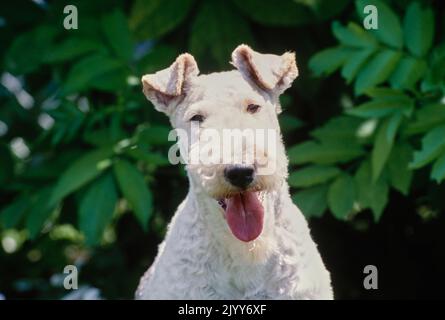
{"type": "Point", "coordinates": [220, 236]}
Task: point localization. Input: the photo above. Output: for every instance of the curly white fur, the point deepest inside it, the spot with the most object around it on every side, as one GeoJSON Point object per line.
{"type": "Point", "coordinates": [198, 262]}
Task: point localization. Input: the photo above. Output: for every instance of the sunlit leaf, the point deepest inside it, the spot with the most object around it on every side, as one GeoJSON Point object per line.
{"type": "Point", "coordinates": [371, 194]}
{"type": "Point", "coordinates": [312, 201]}
{"type": "Point", "coordinates": [382, 107]}
{"type": "Point", "coordinates": [71, 48]}
{"type": "Point", "coordinates": [407, 73]}
{"type": "Point", "coordinates": [312, 175]}
{"type": "Point", "coordinates": [383, 143]}
{"type": "Point", "coordinates": [341, 196]}
{"type": "Point", "coordinates": [353, 35]}
{"type": "Point", "coordinates": [81, 171]}
{"type": "Point", "coordinates": [326, 153]}
{"type": "Point", "coordinates": [328, 60]}
{"type": "Point", "coordinates": [97, 208]}
{"type": "Point", "coordinates": [135, 190]}
{"type": "Point", "coordinates": [341, 128]}
{"type": "Point", "coordinates": [418, 28]}
{"type": "Point", "coordinates": [153, 19]}
{"type": "Point", "coordinates": [115, 28]}
{"type": "Point", "coordinates": [377, 70]}
{"type": "Point", "coordinates": [426, 118]}
{"type": "Point", "coordinates": [355, 62]}
{"type": "Point", "coordinates": [12, 214]}
{"type": "Point", "coordinates": [400, 175]}
{"type": "Point", "coordinates": [84, 72]}
{"type": "Point", "coordinates": [438, 171]}
{"type": "Point", "coordinates": [28, 50]}
{"type": "Point", "coordinates": [433, 144]}
{"type": "Point", "coordinates": [40, 210]}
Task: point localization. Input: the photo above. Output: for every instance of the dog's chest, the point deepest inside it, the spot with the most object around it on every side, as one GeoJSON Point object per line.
{"type": "Point", "coordinates": [240, 282]}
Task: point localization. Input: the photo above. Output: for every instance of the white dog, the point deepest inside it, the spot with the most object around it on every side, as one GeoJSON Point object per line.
{"type": "Point", "coordinates": [237, 234]}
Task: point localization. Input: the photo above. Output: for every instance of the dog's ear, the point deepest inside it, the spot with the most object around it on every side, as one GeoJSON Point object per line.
{"type": "Point", "coordinates": [166, 88]}
{"type": "Point", "coordinates": [269, 72]}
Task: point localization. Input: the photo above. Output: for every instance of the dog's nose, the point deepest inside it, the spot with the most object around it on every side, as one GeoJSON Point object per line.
{"type": "Point", "coordinates": [239, 175]}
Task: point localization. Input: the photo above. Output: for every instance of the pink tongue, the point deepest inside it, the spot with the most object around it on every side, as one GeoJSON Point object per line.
{"type": "Point", "coordinates": [244, 215]}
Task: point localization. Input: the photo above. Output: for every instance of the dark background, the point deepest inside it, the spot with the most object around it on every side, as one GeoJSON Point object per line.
{"type": "Point", "coordinates": [47, 217]}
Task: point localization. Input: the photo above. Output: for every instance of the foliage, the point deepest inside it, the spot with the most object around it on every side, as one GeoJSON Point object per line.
{"type": "Point", "coordinates": [84, 177]}
{"type": "Point", "coordinates": [398, 104]}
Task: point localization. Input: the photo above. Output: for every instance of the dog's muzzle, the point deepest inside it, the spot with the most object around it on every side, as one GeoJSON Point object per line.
{"type": "Point", "coordinates": [240, 176]}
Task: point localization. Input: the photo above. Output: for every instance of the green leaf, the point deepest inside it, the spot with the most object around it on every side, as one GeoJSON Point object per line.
{"type": "Point", "coordinates": [160, 57]}
{"type": "Point", "coordinates": [433, 144]}
{"type": "Point", "coordinates": [71, 48]}
{"type": "Point", "coordinates": [383, 143]}
{"type": "Point", "coordinates": [312, 175]}
{"type": "Point", "coordinates": [418, 28]}
{"type": "Point", "coordinates": [341, 196]}
{"type": "Point", "coordinates": [81, 171]}
{"type": "Point", "coordinates": [353, 35]}
{"type": "Point", "coordinates": [97, 208]}
{"type": "Point", "coordinates": [355, 62]}
{"type": "Point", "coordinates": [438, 172]}
{"type": "Point", "coordinates": [382, 107]}
{"type": "Point", "coordinates": [371, 194]}
{"type": "Point", "coordinates": [426, 118]}
{"type": "Point", "coordinates": [217, 30]}
{"type": "Point", "coordinates": [289, 123]}
{"type": "Point", "coordinates": [84, 72]}
{"type": "Point", "coordinates": [117, 33]}
{"type": "Point", "coordinates": [11, 215]}
{"type": "Point", "coordinates": [327, 61]}
{"type": "Point", "coordinates": [325, 153]}
{"type": "Point", "coordinates": [134, 188]}
{"type": "Point", "coordinates": [155, 18]}
{"type": "Point", "coordinates": [377, 70]}
{"type": "Point", "coordinates": [28, 50]}
{"type": "Point", "coordinates": [385, 92]}
{"type": "Point", "coordinates": [40, 210]}
{"type": "Point", "coordinates": [341, 128]}
{"type": "Point", "coordinates": [325, 9]}
{"type": "Point", "coordinates": [103, 137]}
{"type": "Point", "coordinates": [400, 175]}
{"type": "Point", "coordinates": [407, 73]}
{"type": "Point", "coordinates": [153, 158]}
{"type": "Point", "coordinates": [389, 30]}
{"type": "Point", "coordinates": [113, 80]}
{"type": "Point", "coordinates": [154, 135]}
{"type": "Point", "coordinates": [436, 72]}
{"type": "Point", "coordinates": [312, 201]}
{"type": "Point", "coordinates": [276, 13]}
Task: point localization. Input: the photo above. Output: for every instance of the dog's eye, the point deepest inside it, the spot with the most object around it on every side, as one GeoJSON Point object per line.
{"type": "Point", "coordinates": [253, 108]}
{"type": "Point", "coordinates": [197, 117]}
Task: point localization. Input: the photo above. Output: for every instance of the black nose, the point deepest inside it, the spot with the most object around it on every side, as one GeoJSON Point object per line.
{"type": "Point", "coordinates": [239, 175]}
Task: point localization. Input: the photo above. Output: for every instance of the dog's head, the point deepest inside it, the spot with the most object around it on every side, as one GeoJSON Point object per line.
{"type": "Point", "coordinates": [228, 127]}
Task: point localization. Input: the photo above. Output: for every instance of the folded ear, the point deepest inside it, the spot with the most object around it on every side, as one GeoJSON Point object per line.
{"type": "Point", "coordinates": [268, 72]}
{"type": "Point", "coordinates": [166, 88]}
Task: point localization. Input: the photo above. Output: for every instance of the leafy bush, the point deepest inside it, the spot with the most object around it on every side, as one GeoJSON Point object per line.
{"type": "Point", "coordinates": [398, 81]}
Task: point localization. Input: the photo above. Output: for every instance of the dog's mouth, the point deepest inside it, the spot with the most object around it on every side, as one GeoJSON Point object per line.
{"type": "Point", "coordinates": [244, 214]}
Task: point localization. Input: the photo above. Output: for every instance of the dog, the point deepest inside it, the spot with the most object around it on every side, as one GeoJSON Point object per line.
{"type": "Point", "coordinates": [237, 234]}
